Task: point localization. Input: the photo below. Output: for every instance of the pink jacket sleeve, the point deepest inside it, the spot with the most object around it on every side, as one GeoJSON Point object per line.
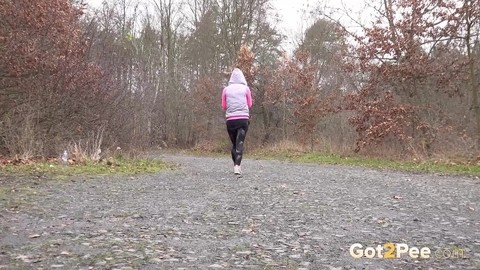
{"type": "Point", "coordinates": [249, 98]}
{"type": "Point", "coordinates": [224, 100]}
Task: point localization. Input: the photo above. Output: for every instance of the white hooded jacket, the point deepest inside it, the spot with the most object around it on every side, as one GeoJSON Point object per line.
{"type": "Point", "coordinates": [237, 97]}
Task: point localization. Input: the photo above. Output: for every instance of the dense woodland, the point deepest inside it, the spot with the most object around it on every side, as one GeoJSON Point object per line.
{"type": "Point", "coordinates": [145, 75]}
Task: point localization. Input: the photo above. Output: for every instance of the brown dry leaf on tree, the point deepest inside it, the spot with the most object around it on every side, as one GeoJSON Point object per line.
{"type": "Point", "coordinates": [406, 56]}
{"type": "Point", "coordinates": [246, 63]}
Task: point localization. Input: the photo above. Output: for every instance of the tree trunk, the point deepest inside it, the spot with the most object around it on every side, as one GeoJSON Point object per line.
{"type": "Point", "coordinates": [471, 67]}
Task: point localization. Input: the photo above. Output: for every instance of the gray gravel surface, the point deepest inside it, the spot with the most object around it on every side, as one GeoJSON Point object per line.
{"type": "Point", "coordinates": [280, 215]}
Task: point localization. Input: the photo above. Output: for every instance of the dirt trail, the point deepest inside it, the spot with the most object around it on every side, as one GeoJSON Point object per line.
{"type": "Point", "coordinates": [278, 216]}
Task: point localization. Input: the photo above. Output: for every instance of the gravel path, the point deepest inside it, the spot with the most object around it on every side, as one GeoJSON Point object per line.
{"type": "Point", "coordinates": [278, 216]}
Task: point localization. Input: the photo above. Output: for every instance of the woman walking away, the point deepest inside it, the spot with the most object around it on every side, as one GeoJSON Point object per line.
{"type": "Point", "coordinates": [236, 101]}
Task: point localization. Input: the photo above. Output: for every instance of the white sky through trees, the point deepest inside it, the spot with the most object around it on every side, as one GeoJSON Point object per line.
{"type": "Point", "coordinates": [294, 17]}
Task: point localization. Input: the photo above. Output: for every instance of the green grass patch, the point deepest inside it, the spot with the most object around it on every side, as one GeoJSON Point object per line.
{"type": "Point", "coordinates": [330, 159]}
{"type": "Point", "coordinates": [120, 166]}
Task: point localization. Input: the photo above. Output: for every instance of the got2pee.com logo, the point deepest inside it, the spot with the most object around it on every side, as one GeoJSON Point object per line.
{"type": "Point", "coordinates": [401, 250]}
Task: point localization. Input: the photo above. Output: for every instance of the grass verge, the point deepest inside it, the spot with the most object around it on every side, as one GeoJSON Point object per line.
{"type": "Point", "coordinates": [375, 163]}
{"type": "Point", "coordinates": [120, 166]}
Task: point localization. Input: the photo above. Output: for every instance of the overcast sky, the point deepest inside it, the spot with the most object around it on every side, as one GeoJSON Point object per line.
{"type": "Point", "coordinates": [290, 12]}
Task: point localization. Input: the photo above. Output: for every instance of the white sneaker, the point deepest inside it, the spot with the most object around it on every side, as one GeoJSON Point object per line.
{"type": "Point", "coordinates": [237, 170]}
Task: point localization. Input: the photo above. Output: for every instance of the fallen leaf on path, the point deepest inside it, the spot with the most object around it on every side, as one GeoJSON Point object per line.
{"type": "Point", "coordinates": [251, 230]}
{"type": "Point", "coordinates": [27, 259]}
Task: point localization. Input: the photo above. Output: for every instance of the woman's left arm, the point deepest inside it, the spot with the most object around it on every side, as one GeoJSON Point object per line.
{"type": "Point", "coordinates": [224, 100]}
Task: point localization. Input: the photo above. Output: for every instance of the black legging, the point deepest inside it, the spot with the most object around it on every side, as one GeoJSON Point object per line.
{"type": "Point", "coordinates": [237, 131]}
